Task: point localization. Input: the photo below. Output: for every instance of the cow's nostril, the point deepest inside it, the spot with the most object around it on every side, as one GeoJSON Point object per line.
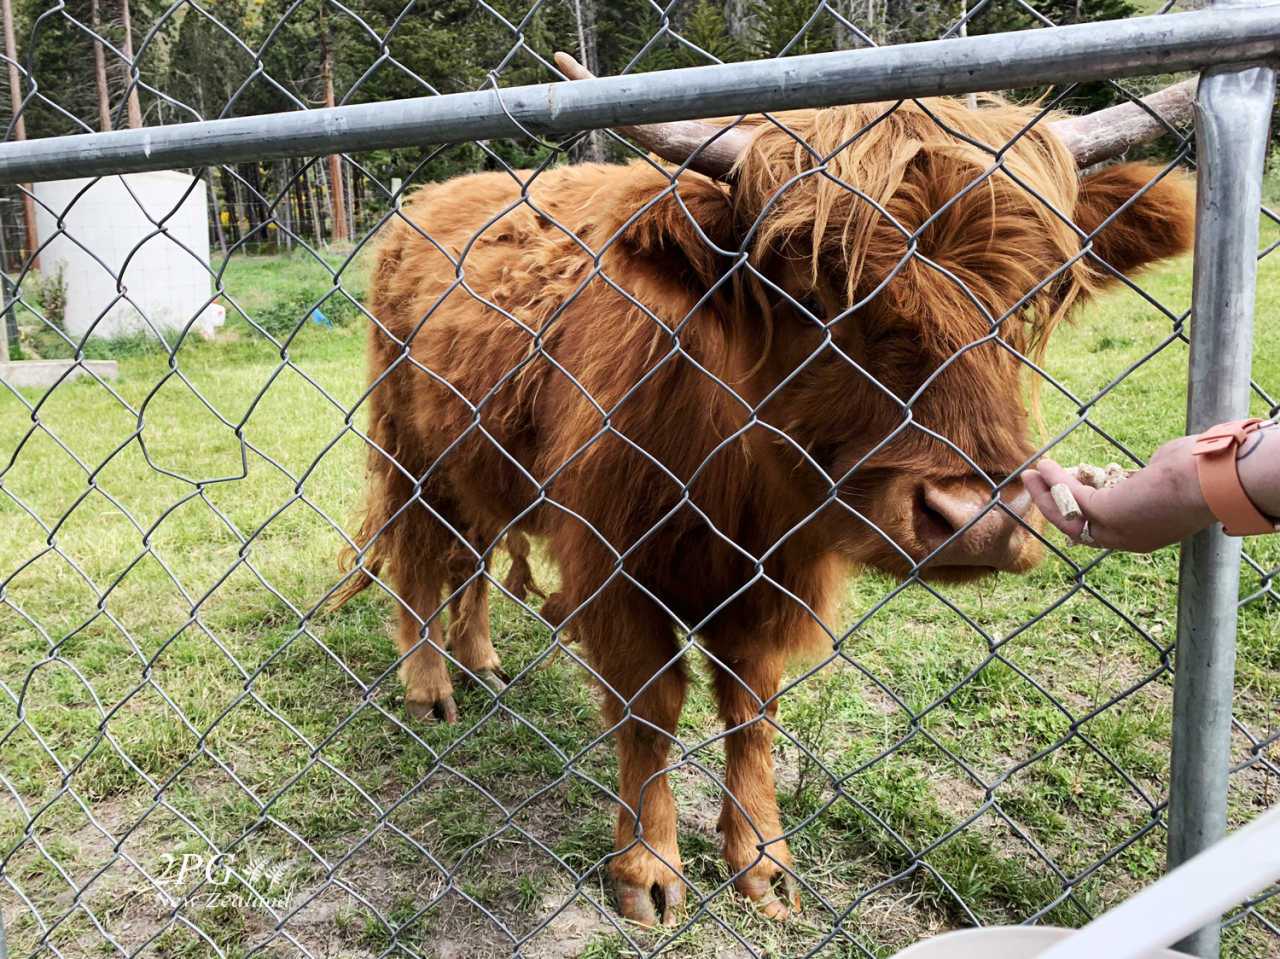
{"type": "Point", "coordinates": [958, 524]}
{"type": "Point", "coordinates": [932, 525]}
{"type": "Point", "coordinates": [953, 506]}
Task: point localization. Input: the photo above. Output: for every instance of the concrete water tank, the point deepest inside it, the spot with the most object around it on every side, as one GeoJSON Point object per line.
{"type": "Point", "coordinates": [143, 234]}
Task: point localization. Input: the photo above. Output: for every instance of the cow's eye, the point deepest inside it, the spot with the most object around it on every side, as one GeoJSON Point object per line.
{"type": "Point", "coordinates": [813, 306]}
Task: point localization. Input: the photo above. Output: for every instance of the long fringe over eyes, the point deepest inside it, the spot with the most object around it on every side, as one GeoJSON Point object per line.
{"type": "Point", "coordinates": [858, 190]}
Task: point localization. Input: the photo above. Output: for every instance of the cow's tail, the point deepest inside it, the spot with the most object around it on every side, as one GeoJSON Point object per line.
{"type": "Point", "coordinates": [371, 549]}
{"type": "Point", "coordinates": [519, 582]}
{"type": "Point", "coordinates": [360, 560]}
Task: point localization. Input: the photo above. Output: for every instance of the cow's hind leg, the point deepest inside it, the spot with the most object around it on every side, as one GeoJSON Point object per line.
{"type": "Point", "coordinates": [632, 645]}
{"type": "Point", "coordinates": [470, 641]}
{"type": "Point", "coordinates": [753, 844]}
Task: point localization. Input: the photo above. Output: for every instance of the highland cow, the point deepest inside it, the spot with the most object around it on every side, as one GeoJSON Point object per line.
{"type": "Point", "coordinates": [713, 397]}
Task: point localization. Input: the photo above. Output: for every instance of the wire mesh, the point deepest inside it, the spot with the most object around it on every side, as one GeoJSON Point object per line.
{"type": "Point", "coordinates": [197, 755]}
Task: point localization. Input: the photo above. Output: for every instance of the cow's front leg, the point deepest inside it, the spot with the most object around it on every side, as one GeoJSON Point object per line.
{"type": "Point", "coordinates": [643, 694]}
{"type": "Point", "coordinates": [753, 844]}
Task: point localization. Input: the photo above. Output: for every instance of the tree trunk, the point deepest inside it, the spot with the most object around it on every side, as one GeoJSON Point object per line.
{"type": "Point", "coordinates": [100, 69]}
{"type": "Point", "coordinates": [230, 196]}
{"type": "Point", "coordinates": [217, 212]}
{"type": "Point", "coordinates": [258, 210]}
{"type": "Point", "coordinates": [286, 201]}
{"type": "Point", "coordinates": [845, 38]}
{"type": "Point", "coordinates": [738, 21]}
{"type": "Point", "coordinates": [338, 233]}
{"type": "Point", "coordinates": [315, 211]}
{"type": "Point", "coordinates": [298, 179]}
{"type": "Point", "coordinates": [592, 148]}
{"type": "Point", "coordinates": [19, 131]}
{"type": "Point", "coordinates": [297, 191]}
{"type": "Point", "coordinates": [350, 181]}
{"type": "Point", "coordinates": [135, 108]}
{"type": "Point", "coordinates": [972, 98]}
{"type": "Point", "coordinates": [247, 199]}
{"type": "Point", "coordinates": [214, 177]}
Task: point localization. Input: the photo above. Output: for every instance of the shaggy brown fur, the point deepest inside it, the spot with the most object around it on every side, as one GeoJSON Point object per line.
{"type": "Point", "coordinates": [689, 456]}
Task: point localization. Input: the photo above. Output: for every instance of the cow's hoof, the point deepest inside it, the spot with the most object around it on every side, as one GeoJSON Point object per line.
{"type": "Point", "coordinates": [639, 902]}
{"type": "Point", "coordinates": [496, 679]}
{"type": "Point", "coordinates": [776, 898]}
{"type": "Point", "coordinates": [443, 710]}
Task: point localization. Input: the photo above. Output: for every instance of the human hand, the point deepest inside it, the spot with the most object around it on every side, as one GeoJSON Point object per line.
{"type": "Point", "coordinates": [1158, 505]}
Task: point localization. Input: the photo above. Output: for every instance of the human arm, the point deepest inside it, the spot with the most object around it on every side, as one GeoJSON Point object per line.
{"type": "Point", "coordinates": [1161, 503]}
{"type": "Point", "coordinates": [1259, 468]}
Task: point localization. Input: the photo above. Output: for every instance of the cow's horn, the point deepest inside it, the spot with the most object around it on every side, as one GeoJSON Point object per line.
{"type": "Point", "coordinates": [1110, 132]}
{"type": "Point", "coordinates": [1091, 138]}
{"type": "Point", "coordinates": [678, 141]}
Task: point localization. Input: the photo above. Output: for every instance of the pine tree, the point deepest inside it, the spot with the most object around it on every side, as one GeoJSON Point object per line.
{"type": "Point", "coordinates": [791, 28]}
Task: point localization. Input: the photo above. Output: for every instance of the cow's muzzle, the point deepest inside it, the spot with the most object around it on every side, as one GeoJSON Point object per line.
{"type": "Point", "coordinates": [960, 524]}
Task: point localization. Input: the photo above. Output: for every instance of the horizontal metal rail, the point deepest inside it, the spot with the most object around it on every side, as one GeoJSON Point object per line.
{"type": "Point", "coordinates": [1079, 52]}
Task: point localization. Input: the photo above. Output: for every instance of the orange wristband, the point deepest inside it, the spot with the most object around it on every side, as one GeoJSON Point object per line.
{"type": "Point", "coordinates": [1215, 453]}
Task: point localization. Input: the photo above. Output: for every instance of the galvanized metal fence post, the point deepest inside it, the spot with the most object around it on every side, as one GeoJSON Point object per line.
{"type": "Point", "coordinates": [1233, 109]}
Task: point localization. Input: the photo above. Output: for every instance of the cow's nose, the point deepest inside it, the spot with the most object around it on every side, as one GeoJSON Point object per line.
{"type": "Point", "coordinates": [989, 535]}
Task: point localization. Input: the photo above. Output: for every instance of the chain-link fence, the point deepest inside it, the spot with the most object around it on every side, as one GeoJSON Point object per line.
{"type": "Point", "coordinates": [621, 441]}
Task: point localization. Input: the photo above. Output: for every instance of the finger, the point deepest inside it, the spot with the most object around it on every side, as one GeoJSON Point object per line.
{"type": "Point", "coordinates": [1042, 494]}
{"type": "Point", "coordinates": [1053, 474]}
{"type": "Point", "coordinates": [1038, 487]}
{"type": "Point", "coordinates": [1040, 483]}
{"type": "Point", "coordinates": [1101, 537]}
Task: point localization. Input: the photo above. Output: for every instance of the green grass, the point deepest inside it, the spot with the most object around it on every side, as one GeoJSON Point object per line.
{"type": "Point", "coordinates": [185, 662]}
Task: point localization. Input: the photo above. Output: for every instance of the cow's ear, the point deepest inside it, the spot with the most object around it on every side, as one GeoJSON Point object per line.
{"type": "Point", "coordinates": [1156, 217]}
{"type": "Point", "coordinates": [687, 228]}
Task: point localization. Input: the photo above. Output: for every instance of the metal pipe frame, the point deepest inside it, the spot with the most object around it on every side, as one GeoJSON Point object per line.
{"type": "Point", "coordinates": [1233, 112]}
{"type": "Point", "coordinates": [1054, 55]}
